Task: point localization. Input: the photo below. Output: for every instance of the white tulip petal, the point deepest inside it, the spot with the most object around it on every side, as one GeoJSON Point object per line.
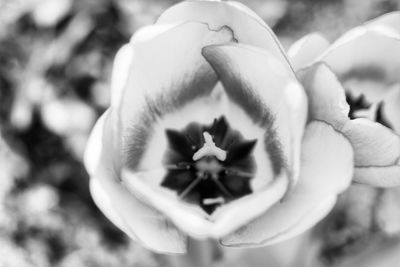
{"type": "Point", "coordinates": [316, 214]}
{"type": "Point", "coordinates": [373, 143]}
{"type": "Point", "coordinates": [391, 20]}
{"type": "Point", "coordinates": [169, 71]}
{"type": "Point", "coordinates": [226, 219]}
{"type": "Point", "coordinates": [363, 50]}
{"type": "Point", "coordinates": [94, 146]}
{"type": "Point", "coordinates": [255, 78]}
{"type": "Point", "coordinates": [238, 213]}
{"type": "Point", "coordinates": [135, 218]}
{"type": "Point", "coordinates": [138, 220]}
{"type": "Point", "coordinates": [228, 13]}
{"type": "Point", "coordinates": [391, 109]}
{"type": "Point", "coordinates": [326, 96]}
{"type": "Point", "coordinates": [119, 77]}
{"type": "Point", "coordinates": [191, 221]}
{"type": "Point", "coordinates": [125, 57]}
{"type": "Point", "coordinates": [306, 50]}
{"type": "Point", "coordinates": [326, 170]}
{"type": "Point", "coordinates": [384, 176]}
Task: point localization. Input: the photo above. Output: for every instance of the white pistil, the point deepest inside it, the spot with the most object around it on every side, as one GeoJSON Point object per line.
{"type": "Point", "coordinates": [209, 149]}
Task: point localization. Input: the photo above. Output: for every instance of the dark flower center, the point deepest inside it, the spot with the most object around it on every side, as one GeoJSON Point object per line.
{"type": "Point", "coordinates": [359, 105]}
{"type": "Point", "coordinates": [209, 165]}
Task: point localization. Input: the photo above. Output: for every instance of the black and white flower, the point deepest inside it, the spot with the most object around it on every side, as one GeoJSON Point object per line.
{"type": "Point", "coordinates": [208, 136]}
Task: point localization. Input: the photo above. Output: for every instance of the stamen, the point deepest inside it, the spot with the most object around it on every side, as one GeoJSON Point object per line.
{"type": "Point", "coordinates": [191, 186]}
{"type": "Point", "coordinates": [191, 141]}
{"type": "Point", "coordinates": [238, 173]}
{"type": "Point", "coordinates": [222, 188]}
{"type": "Point", "coordinates": [209, 149]}
{"type": "Point", "coordinates": [178, 166]}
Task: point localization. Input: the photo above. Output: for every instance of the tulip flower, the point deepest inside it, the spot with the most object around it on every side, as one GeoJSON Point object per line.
{"type": "Point", "coordinates": [208, 135]}
{"type": "Point", "coordinates": [354, 85]}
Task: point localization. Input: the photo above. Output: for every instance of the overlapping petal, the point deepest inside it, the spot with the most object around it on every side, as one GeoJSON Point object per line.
{"type": "Point", "coordinates": [370, 45]}
{"type": "Point", "coordinates": [232, 14]}
{"type": "Point", "coordinates": [368, 49]}
{"type": "Point", "coordinates": [390, 20]}
{"type": "Point", "coordinates": [385, 176]}
{"type": "Point", "coordinates": [364, 61]}
{"type": "Point", "coordinates": [375, 145]}
{"type": "Point", "coordinates": [304, 51]}
{"type": "Point", "coordinates": [326, 97]}
{"type": "Point", "coordinates": [155, 74]}
{"type": "Point", "coordinates": [326, 170]}
{"type": "Point", "coordinates": [138, 220]}
{"type": "Point", "coordinates": [228, 219]}
{"type": "Point", "coordinates": [251, 74]}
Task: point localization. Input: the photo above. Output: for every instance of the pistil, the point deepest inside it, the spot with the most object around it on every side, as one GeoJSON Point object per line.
{"type": "Point", "coordinates": [209, 149]}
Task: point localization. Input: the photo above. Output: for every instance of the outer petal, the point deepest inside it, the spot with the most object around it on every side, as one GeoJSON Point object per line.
{"type": "Point", "coordinates": [326, 97]}
{"type": "Point", "coordinates": [235, 15]}
{"type": "Point", "coordinates": [388, 176]}
{"type": "Point", "coordinates": [226, 220]}
{"type": "Point", "coordinates": [366, 47]}
{"type": "Point", "coordinates": [374, 144]}
{"type": "Point", "coordinates": [136, 219]}
{"type": "Point", "coordinates": [326, 170]}
{"type": "Point", "coordinates": [119, 77]}
{"type": "Point", "coordinates": [167, 62]}
{"type": "Point", "coordinates": [392, 107]}
{"type": "Point", "coordinates": [306, 50]}
{"type": "Point", "coordinates": [390, 20]}
{"type": "Point", "coordinates": [250, 73]}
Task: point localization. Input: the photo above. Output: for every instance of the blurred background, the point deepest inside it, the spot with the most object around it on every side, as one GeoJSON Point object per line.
{"type": "Point", "coordinates": [55, 64]}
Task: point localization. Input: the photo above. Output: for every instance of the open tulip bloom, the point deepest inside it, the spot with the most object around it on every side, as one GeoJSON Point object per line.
{"type": "Point", "coordinates": [210, 134]}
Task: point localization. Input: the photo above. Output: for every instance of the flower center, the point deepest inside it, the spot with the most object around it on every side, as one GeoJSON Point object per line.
{"type": "Point", "coordinates": [361, 108]}
{"type": "Point", "coordinates": [209, 165]}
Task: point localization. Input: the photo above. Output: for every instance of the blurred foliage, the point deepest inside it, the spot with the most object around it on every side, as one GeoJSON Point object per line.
{"type": "Point", "coordinates": [55, 63]}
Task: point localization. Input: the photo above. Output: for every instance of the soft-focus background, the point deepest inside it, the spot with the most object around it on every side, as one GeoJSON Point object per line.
{"type": "Point", "coordinates": [55, 63]}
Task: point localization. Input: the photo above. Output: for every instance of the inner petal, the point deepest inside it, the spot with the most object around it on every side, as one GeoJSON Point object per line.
{"type": "Point", "coordinates": [209, 165]}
